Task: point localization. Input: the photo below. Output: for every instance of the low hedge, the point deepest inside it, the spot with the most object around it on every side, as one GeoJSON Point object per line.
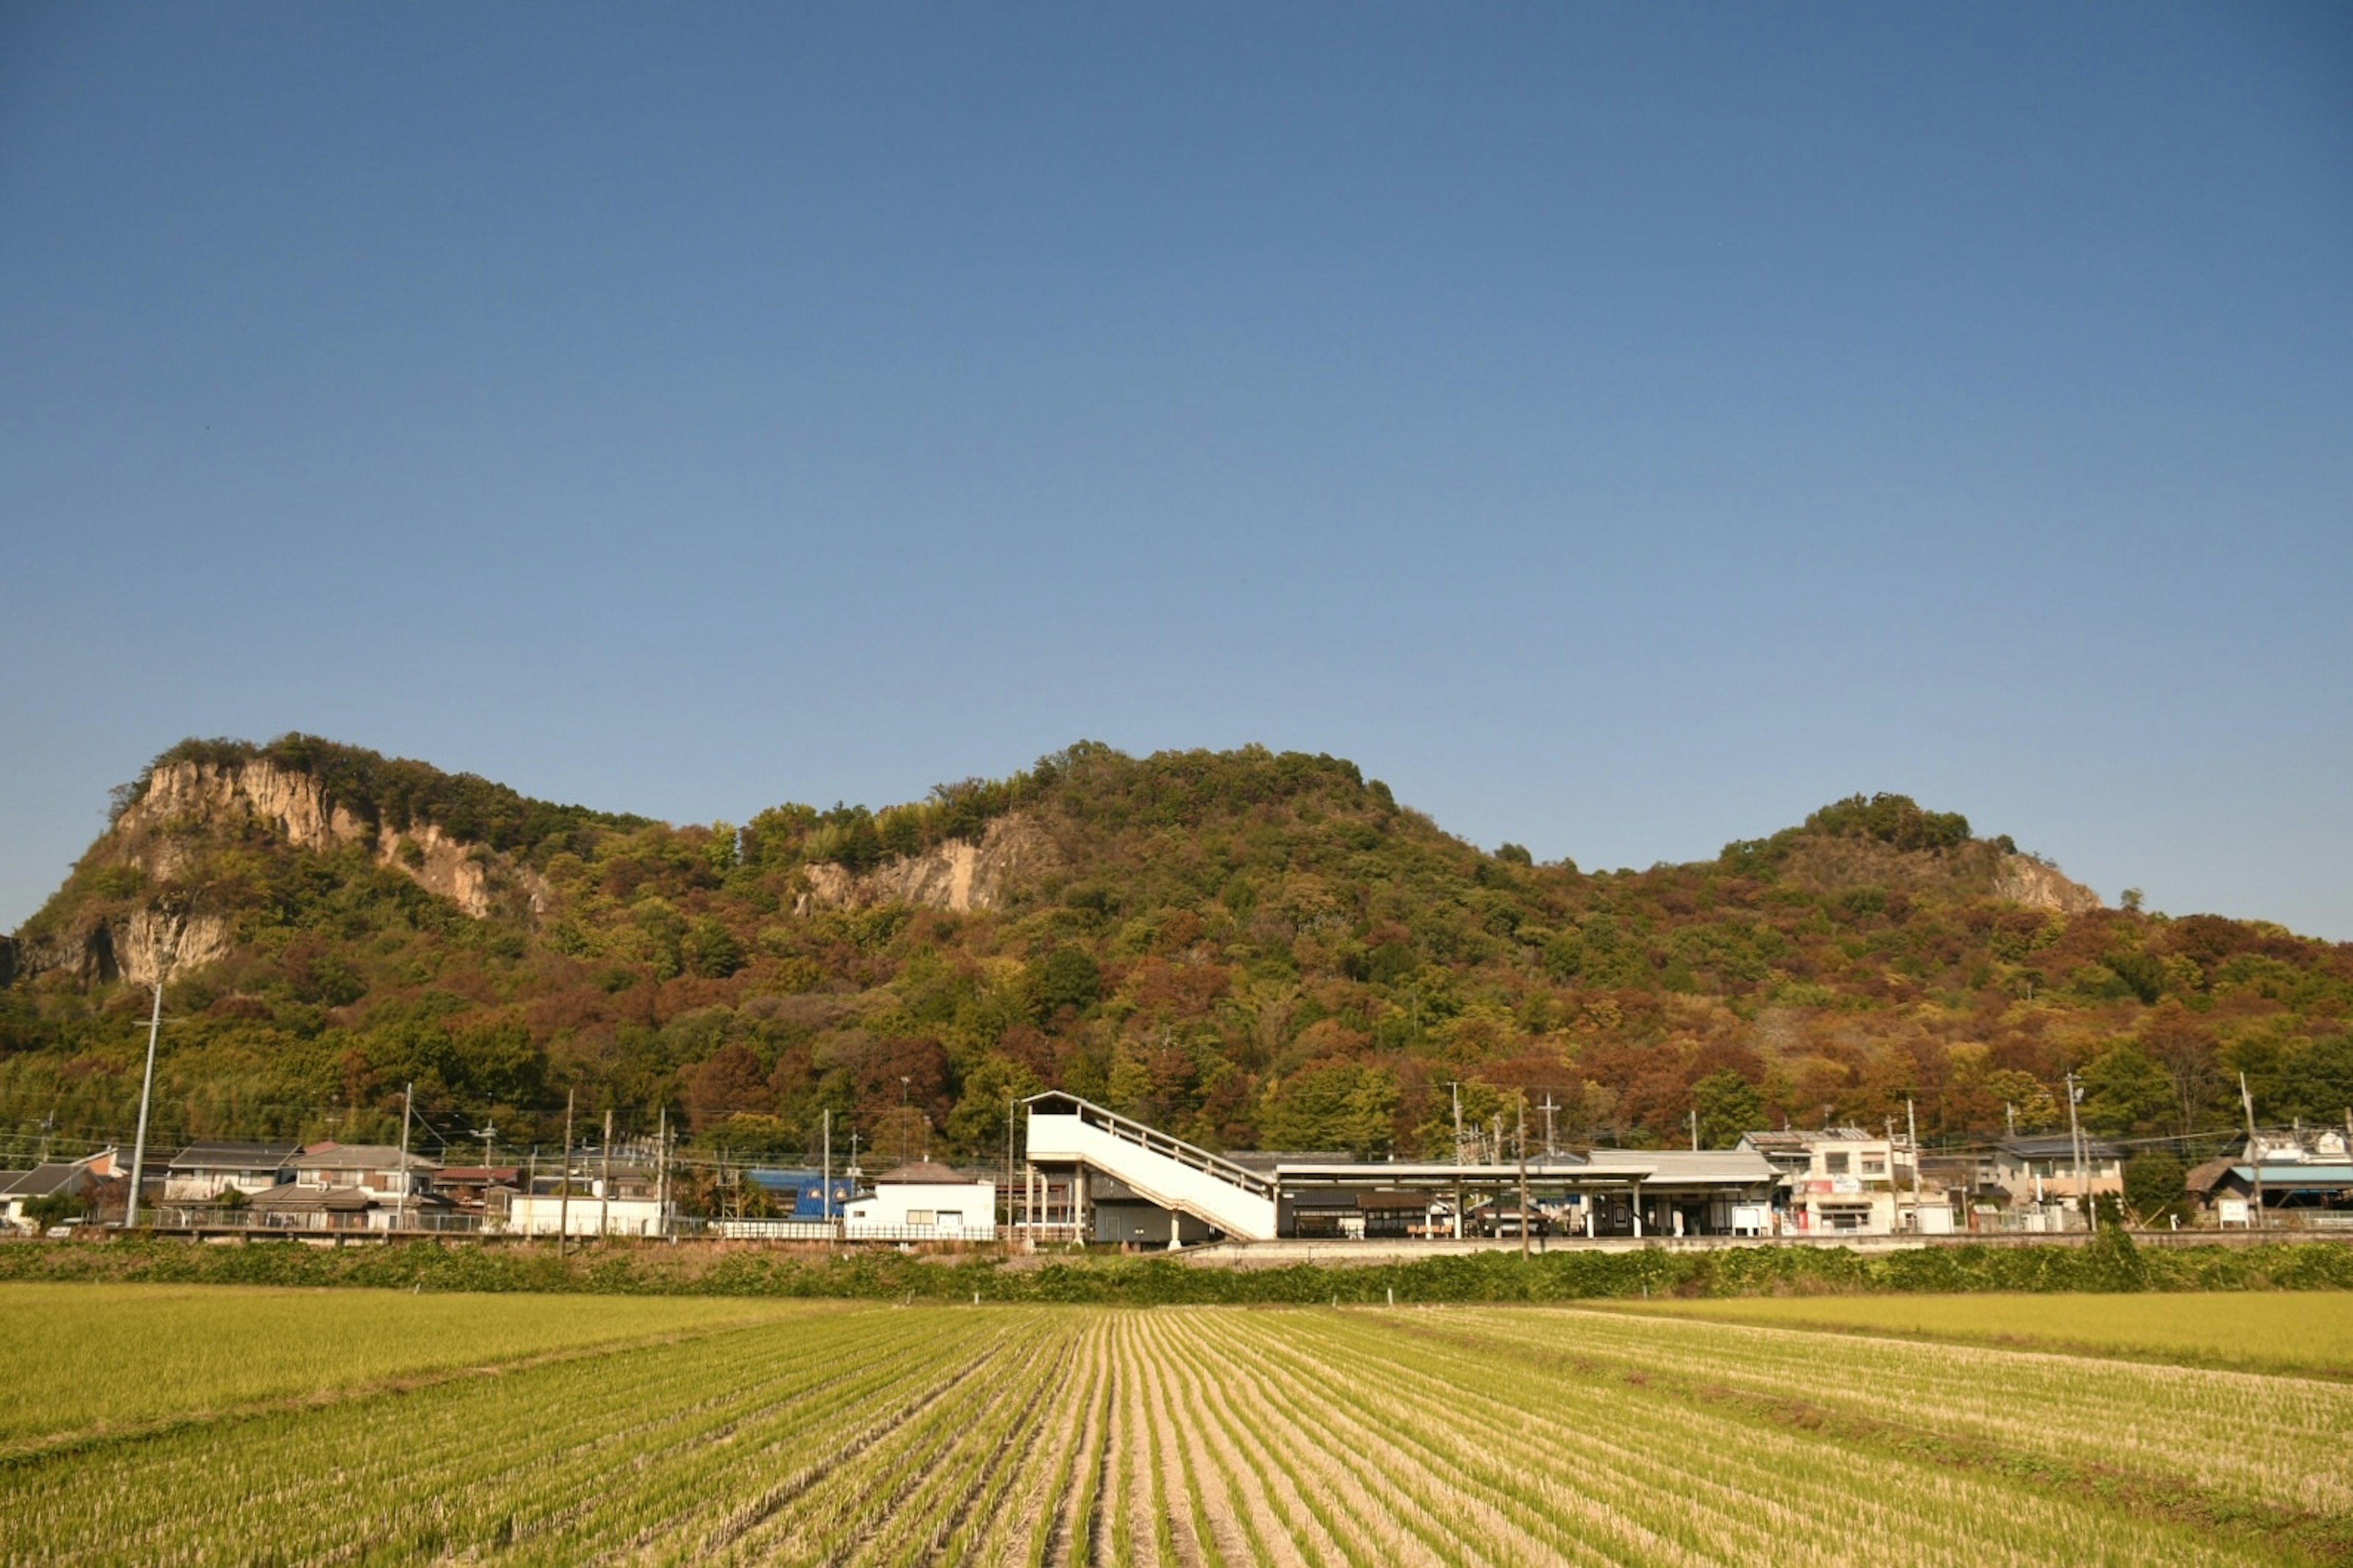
{"type": "Point", "coordinates": [2110, 1263]}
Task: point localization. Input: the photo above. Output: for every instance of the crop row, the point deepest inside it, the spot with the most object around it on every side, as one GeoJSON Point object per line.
{"type": "Point", "coordinates": [1046, 1437]}
{"type": "Point", "coordinates": [2274, 1440]}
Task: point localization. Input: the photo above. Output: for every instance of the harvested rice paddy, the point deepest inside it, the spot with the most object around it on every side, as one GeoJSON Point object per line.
{"type": "Point", "coordinates": [2289, 1331]}
{"type": "Point", "coordinates": [779, 1433]}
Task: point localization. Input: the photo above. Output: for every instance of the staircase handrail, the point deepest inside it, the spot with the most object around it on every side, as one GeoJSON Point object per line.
{"type": "Point", "coordinates": [1160, 1142]}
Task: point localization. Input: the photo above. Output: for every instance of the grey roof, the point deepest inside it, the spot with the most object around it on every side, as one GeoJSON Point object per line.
{"type": "Point", "coordinates": [2059, 1146]}
{"type": "Point", "coordinates": [40, 1180]}
{"type": "Point", "coordinates": [233, 1157]}
{"type": "Point", "coordinates": [293, 1199]}
{"type": "Point", "coordinates": [361, 1157]}
{"type": "Point", "coordinates": [1799, 1140]}
{"type": "Point", "coordinates": [1679, 1165]}
{"type": "Point", "coordinates": [929, 1171]}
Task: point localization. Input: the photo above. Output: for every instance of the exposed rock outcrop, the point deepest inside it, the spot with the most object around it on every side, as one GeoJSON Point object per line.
{"type": "Point", "coordinates": [163, 836]}
{"type": "Point", "coordinates": [2028, 881]}
{"type": "Point", "coordinates": [194, 794]}
{"type": "Point", "coordinates": [958, 875]}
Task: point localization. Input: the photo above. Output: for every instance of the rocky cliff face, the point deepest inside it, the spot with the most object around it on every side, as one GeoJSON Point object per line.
{"type": "Point", "coordinates": [163, 833]}
{"type": "Point", "coordinates": [2037, 886]}
{"type": "Point", "coordinates": [296, 804]}
{"type": "Point", "coordinates": [958, 875]}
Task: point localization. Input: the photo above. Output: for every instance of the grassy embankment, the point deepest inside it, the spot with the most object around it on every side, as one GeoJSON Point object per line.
{"type": "Point", "coordinates": [2112, 1263]}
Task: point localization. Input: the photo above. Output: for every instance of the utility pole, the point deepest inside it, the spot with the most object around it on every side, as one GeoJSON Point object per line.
{"type": "Point", "coordinates": [407, 1109]}
{"type": "Point", "coordinates": [146, 1096]}
{"type": "Point", "coordinates": [825, 1199]}
{"type": "Point", "coordinates": [1912, 1133]}
{"type": "Point", "coordinates": [2075, 1141]}
{"type": "Point", "coordinates": [1524, 1178]}
{"type": "Point", "coordinates": [489, 1135]}
{"type": "Point", "coordinates": [1694, 1127]}
{"type": "Point", "coordinates": [605, 1183]}
{"type": "Point", "coordinates": [1008, 1171]}
{"type": "Point", "coordinates": [2254, 1149]}
{"type": "Point", "coordinates": [564, 1191]}
{"type": "Point", "coordinates": [661, 1168]}
{"type": "Point", "coordinates": [1456, 1087]}
{"type": "Point", "coordinates": [1548, 1108]}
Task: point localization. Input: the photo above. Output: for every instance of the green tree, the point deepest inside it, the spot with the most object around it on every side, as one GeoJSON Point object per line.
{"type": "Point", "coordinates": [1333, 1105]}
{"type": "Point", "coordinates": [710, 949]}
{"type": "Point", "coordinates": [2125, 1092]}
{"type": "Point", "coordinates": [1068, 978]}
{"type": "Point", "coordinates": [977, 1125]}
{"type": "Point", "coordinates": [55, 1208]}
{"type": "Point", "coordinates": [2155, 1185]}
{"type": "Point", "coordinates": [1728, 1106]}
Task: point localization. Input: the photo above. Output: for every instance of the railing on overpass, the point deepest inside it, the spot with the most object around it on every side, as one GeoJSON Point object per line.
{"type": "Point", "coordinates": [1256, 1182]}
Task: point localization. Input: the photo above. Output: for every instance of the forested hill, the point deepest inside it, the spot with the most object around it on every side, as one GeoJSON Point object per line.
{"type": "Point", "coordinates": [1249, 947]}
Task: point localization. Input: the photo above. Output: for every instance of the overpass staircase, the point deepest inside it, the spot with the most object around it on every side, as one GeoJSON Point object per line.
{"type": "Point", "coordinates": [1177, 1175]}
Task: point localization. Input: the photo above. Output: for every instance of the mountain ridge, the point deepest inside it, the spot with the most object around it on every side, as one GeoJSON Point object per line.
{"type": "Point", "coordinates": [1245, 946]}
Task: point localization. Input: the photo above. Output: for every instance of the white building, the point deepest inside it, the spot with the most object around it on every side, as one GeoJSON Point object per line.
{"type": "Point", "coordinates": [633, 1207]}
{"type": "Point", "coordinates": [1843, 1181]}
{"type": "Point", "coordinates": [922, 1201]}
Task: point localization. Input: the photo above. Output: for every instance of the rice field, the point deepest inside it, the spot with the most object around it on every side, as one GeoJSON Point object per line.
{"type": "Point", "coordinates": [780, 1432]}
{"type": "Point", "coordinates": [95, 1360]}
{"type": "Point", "coordinates": [2295, 1331]}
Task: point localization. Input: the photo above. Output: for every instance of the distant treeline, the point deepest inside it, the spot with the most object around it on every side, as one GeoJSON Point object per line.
{"type": "Point", "coordinates": [2111, 1263]}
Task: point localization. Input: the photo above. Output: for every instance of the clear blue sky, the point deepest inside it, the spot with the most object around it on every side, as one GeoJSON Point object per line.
{"type": "Point", "coordinates": [1622, 429]}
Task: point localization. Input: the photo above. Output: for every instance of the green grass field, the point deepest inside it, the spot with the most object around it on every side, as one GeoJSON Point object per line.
{"type": "Point", "coordinates": [726, 1431]}
{"type": "Point", "coordinates": [92, 1360]}
{"type": "Point", "coordinates": [2306, 1331]}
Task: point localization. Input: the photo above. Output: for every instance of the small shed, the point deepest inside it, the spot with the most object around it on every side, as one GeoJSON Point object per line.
{"type": "Point", "coordinates": [924, 1201]}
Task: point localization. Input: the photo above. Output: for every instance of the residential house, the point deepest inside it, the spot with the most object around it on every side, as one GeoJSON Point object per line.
{"type": "Point", "coordinates": [2044, 1169]}
{"type": "Point", "coordinates": [924, 1201]}
{"type": "Point", "coordinates": [1842, 1181]}
{"type": "Point", "coordinates": [394, 1188]}
{"type": "Point", "coordinates": [201, 1173]}
{"type": "Point", "coordinates": [477, 1189]}
{"type": "Point", "coordinates": [88, 1179]}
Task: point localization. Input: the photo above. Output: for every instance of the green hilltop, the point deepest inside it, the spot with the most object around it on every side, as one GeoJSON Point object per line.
{"type": "Point", "coordinates": [1249, 947]}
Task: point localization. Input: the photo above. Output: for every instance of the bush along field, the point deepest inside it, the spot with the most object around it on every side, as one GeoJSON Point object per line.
{"type": "Point", "coordinates": [2111, 1263]}
{"type": "Point", "coordinates": [1197, 1436]}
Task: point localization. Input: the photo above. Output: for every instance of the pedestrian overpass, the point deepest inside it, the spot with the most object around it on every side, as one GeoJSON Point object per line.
{"type": "Point", "coordinates": [1178, 1176]}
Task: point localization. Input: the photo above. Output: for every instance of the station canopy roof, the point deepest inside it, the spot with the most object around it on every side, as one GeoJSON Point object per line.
{"type": "Point", "coordinates": [1602, 1167]}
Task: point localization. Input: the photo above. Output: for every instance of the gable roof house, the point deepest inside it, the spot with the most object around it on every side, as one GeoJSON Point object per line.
{"type": "Point", "coordinates": [87, 1178]}
{"type": "Point", "coordinates": [201, 1173]}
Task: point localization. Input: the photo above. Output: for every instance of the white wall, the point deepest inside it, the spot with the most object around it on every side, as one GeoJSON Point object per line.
{"type": "Point", "coordinates": [914, 1210]}
{"type": "Point", "coordinates": [542, 1214]}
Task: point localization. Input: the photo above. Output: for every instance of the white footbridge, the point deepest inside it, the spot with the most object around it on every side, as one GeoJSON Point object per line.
{"type": "Point", "coordinates": [1177, 1175]}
